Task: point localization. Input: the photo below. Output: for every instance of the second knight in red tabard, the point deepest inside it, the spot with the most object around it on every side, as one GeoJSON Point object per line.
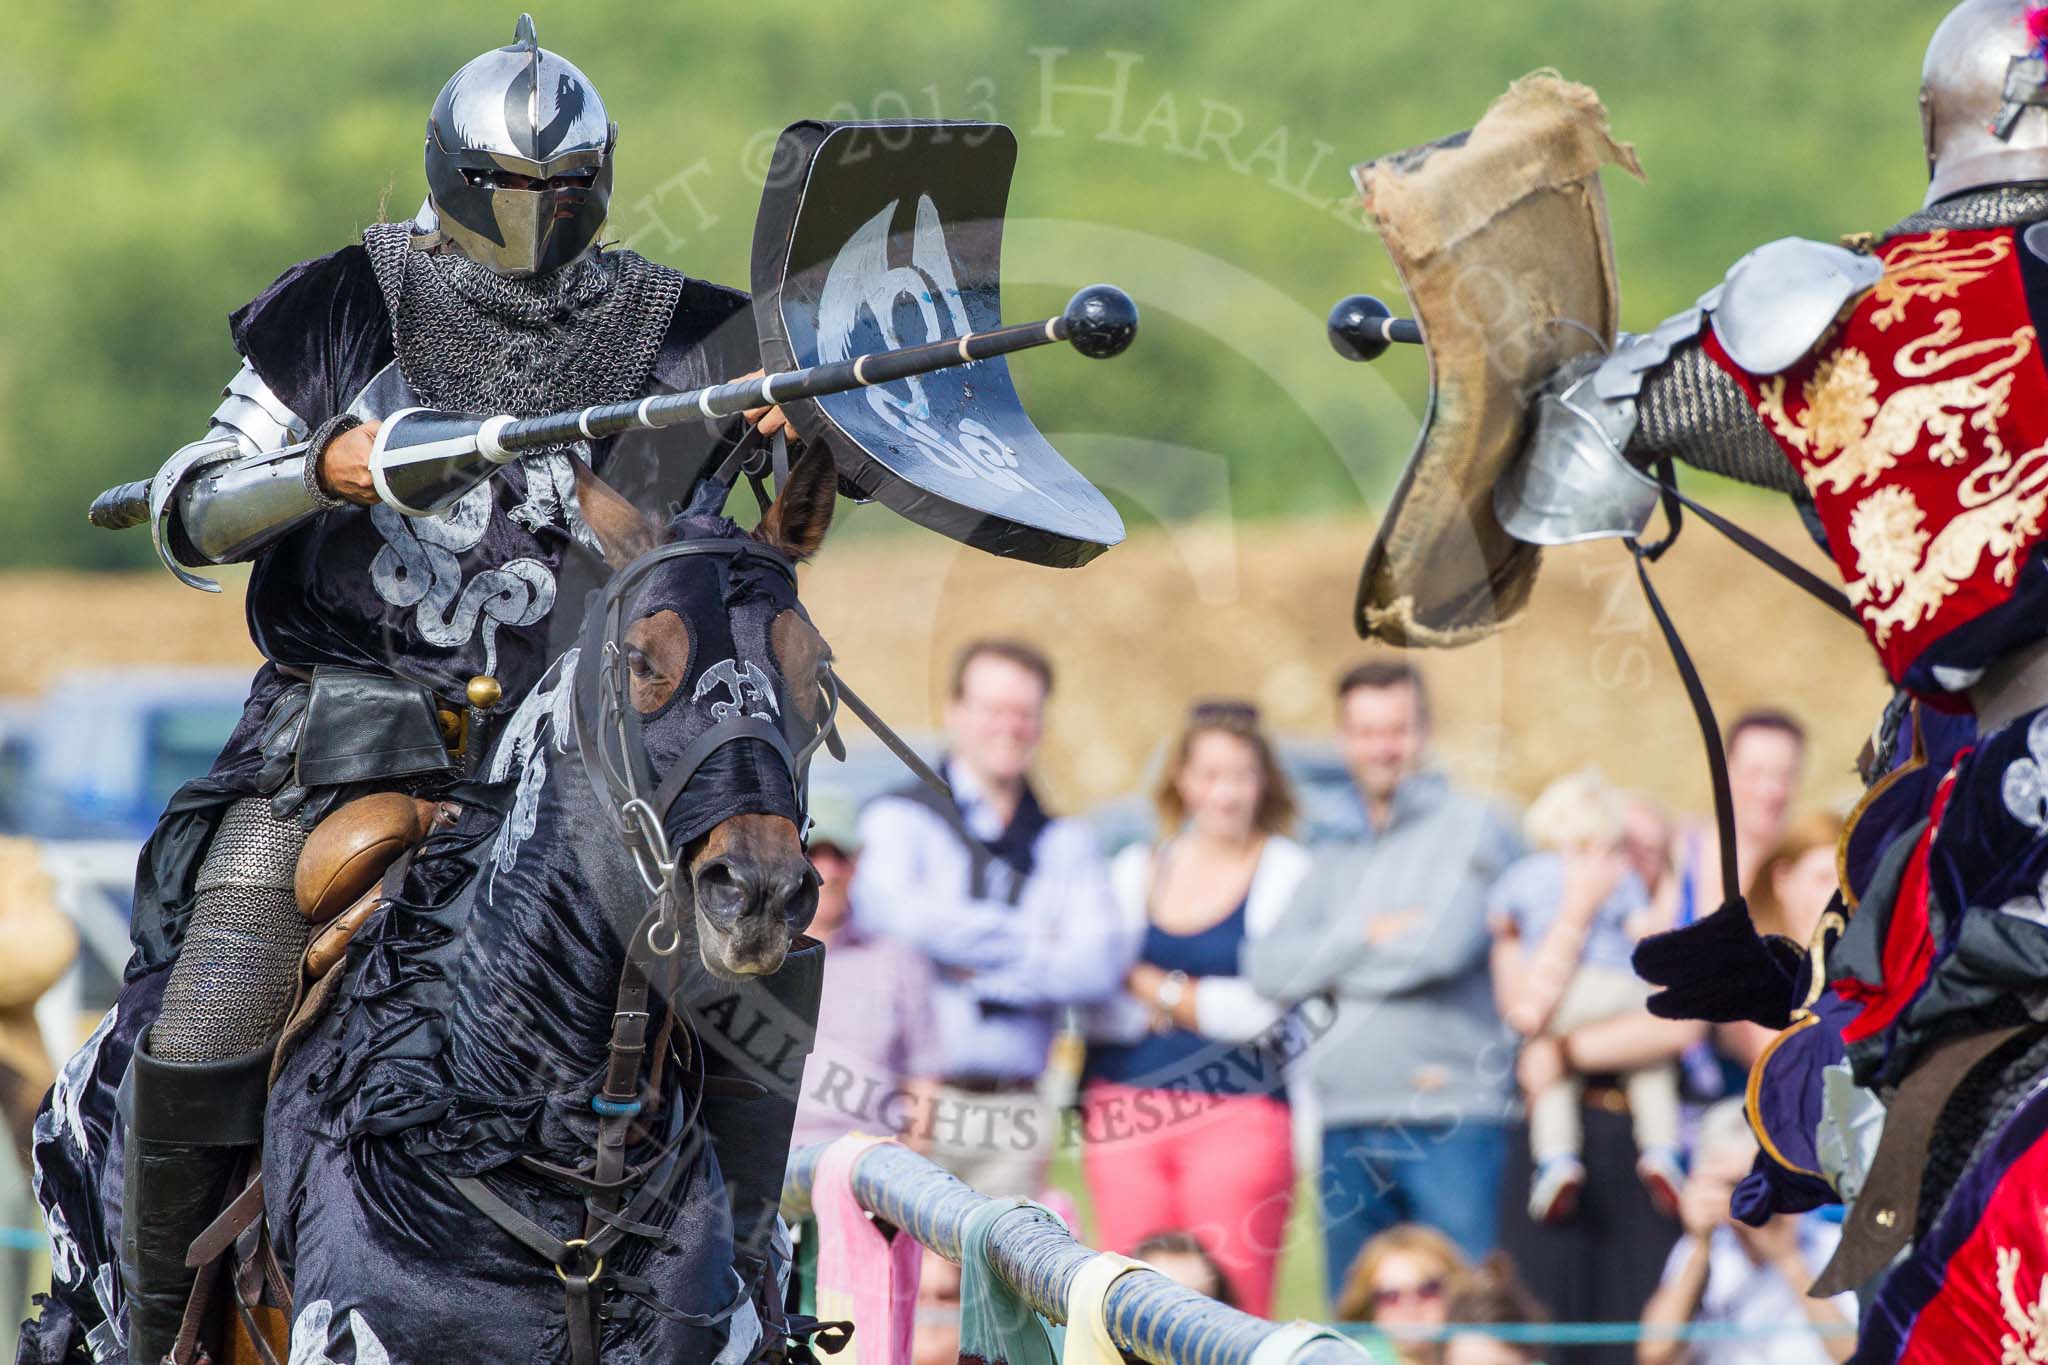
{"type": "Point", "coordinates": [1896, 387]}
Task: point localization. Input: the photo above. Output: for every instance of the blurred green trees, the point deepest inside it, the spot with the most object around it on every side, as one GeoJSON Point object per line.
{"type": "Point", "coordinates": [162, 163]}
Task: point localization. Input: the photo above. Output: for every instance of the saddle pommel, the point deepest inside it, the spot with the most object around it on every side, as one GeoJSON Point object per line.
{"type": "Point", "coordinates": [349, 850]}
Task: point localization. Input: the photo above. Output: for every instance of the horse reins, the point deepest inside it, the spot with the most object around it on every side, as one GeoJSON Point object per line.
{"type": "Point", "coordinates": [1813, 585]}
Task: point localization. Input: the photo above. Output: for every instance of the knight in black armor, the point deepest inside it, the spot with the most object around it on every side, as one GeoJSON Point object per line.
{"type": "Point", "coordinates": [388, 640]}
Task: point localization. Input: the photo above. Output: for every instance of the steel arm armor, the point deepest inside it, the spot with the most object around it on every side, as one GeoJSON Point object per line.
{"type": "Point", "coordinates": [237, 489]}
{"type": "Point", "coordinates": [1660, 395]}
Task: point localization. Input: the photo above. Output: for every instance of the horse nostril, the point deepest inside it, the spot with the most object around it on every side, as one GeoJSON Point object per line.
{"type": "Point", "coordinates": [722, 891]}
{"type": "Point", "coordinates": [801, 906]}
{"type": "Point", "coordinates": [732, 890]}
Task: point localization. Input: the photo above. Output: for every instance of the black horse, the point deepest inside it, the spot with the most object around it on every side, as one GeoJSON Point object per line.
{"type": "Point", "coordinates": [466, 1157]}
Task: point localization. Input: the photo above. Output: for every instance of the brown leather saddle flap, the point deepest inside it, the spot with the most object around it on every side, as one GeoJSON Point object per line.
{"type": "Point", "coordinates": [1882, 1220]}
{"type": "Point", "coordinates": [349, 850]}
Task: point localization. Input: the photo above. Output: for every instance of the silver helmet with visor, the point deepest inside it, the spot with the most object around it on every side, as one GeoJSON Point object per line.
{"type": "Point", "coordinates": [519, 158]}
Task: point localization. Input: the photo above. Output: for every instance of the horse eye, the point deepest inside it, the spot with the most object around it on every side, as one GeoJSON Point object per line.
{"type": "Point", "coordinates": [637, 665]}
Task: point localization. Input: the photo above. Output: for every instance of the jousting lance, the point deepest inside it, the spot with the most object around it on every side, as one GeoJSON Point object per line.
{"type": "Point", "coordinates": [424, 459]}
{"type": "Point", "coordinates": [1361, 328]}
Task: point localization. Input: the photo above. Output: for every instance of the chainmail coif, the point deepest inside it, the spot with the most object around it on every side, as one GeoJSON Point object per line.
{"type": "Point", "coordinates": [472, 340]}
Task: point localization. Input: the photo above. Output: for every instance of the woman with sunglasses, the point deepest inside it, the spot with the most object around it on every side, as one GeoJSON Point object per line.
{"type": "Point", "coordinates": [1184, 1104]}
{"type": "Point", "coordinates": [1401, 1283]}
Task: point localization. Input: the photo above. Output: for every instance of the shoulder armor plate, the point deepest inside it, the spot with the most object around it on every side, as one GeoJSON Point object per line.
{"type": "Point", "coordinates": [1780, 299]}
{"type": "Point", "coordinates": [253, 412]}
{"type": "Point", "coordinates": [1634, 355]}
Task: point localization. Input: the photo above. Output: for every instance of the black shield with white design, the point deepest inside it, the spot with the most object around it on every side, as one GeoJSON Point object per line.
{"type": "Point", "coordinates": [878, 235]}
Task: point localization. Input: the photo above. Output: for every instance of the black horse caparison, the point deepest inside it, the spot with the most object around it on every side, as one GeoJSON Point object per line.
{"type": "Point", "coordinates": [419, 1135]}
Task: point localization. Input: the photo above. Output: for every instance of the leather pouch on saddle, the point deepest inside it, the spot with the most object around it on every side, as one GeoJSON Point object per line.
{"type": "Point", "coordinates": [344, 861]}
{"type": "Point", "coordinates": [756, 1034]}
{"type": "Point", "coordinates": [368, 727]}
{"type": "Point", "coordinates": [1501, 240]}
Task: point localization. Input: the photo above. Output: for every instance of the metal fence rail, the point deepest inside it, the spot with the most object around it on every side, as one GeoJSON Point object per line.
{"type": "Point", "coordinates": [1148, 1315]}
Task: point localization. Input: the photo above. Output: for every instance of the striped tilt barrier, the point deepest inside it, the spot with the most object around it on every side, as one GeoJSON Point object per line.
{"type": "Point", "coordinates": [1148, 1315]}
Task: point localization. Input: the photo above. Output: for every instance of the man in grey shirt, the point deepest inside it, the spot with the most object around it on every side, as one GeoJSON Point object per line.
{"type": "Point", "coordinates": [1414, 1079]}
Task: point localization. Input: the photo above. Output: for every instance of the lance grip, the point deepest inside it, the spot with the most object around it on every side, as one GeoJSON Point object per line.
{"type": "Point", "coordinates": [1361, 328]}
{"type": "Point", "coordinates": [119, 508]}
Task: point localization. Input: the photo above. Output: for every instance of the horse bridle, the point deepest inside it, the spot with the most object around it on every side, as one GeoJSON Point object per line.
{"type": "Point", "coordinates": [609, 735]}
{"type": "Point", "coordinates": [609, 732]}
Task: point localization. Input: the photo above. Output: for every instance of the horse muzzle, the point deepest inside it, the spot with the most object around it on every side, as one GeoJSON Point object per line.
{"type": "Point", "coordinates": [754, 891]}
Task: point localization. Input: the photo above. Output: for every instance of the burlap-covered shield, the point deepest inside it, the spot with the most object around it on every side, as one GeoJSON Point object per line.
{"type": "Point", "coordinates": [1500, 237]}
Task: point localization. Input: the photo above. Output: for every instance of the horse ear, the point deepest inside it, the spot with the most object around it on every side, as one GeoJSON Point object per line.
{"type": "Point", "coordinates": [620, 528]}
{"type": "Point", "coordinates": [797, 520]}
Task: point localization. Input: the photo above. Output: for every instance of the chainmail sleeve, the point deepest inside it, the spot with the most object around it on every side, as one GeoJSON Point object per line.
{"type": "Point", "coordinates": [1691, 411]}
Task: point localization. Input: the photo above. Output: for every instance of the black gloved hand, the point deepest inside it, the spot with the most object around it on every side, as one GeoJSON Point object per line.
{"type": "Point", "coordinates": [1720, 969]}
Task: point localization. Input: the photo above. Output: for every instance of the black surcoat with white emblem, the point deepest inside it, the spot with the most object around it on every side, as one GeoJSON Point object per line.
{"type": "Point", "coordinates": [436, 601]}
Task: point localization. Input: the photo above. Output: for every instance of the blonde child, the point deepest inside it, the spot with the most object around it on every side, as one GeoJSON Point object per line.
{"type": "Point", "coordinates": [1565, 920]}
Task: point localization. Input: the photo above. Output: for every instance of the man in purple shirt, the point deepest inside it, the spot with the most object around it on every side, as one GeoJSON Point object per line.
{"type": "Point", "coordinates": [1011, 906]}
{"type": "Point", "coordinates": [877, 1055]}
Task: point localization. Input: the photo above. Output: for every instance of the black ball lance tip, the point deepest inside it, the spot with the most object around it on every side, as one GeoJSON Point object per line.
{"type": "Point", "coordinates": [1361, 328]}
{"type": "Point", "coordinates": [1100, 321]}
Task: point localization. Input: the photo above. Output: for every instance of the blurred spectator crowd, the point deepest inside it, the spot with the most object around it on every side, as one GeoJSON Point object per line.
{"type": "Point", "coordinates": [1429, 1027]}
{"type": "Point", "coordinates": [1425, 1024]}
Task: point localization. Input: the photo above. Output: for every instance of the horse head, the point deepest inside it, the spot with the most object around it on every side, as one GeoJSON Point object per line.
{"type": "Point", "coordinates": [721, 692]}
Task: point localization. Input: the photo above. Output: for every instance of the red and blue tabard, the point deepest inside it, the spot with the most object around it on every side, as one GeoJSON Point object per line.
{"type": "Point", "coordinates": [1975, 1285]}
{"type": "Point", "coordinates": [1920, 427]}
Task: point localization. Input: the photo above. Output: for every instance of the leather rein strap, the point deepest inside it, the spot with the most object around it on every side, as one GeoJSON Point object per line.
{"type": "Point", "coordinates": [1797, 574]}
{"type": "Point", "coordinates": [1791, 570]}
{"type": "Point", "coordinates": [1710, 728]}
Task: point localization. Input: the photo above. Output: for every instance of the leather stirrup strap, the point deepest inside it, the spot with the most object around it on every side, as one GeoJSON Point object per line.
{"type": "Point", "coordinates": [1882, 1220]}
{"type": "Point", "coordinates": [280, 1289]}
{"type": "Point", "coordinates": [244, 1209]}
{"type": "Point", "coordinates": [186, 1350]}
{"type": "Point", "coordinates": [205, 1254]}
{"type": "Point", "coordinates": [247, 1279]}
{"type": "Point", "coordinates": [257, 1341]}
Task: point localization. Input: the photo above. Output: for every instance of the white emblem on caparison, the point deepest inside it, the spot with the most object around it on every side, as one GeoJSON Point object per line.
{"type": "Point", "coordinates": [751, 690]}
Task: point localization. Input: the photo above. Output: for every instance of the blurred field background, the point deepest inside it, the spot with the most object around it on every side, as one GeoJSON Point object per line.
{"type": "Point", "coordinates": [1206, 609]}
{"type": "Point", "coordinates": [164, 164]}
